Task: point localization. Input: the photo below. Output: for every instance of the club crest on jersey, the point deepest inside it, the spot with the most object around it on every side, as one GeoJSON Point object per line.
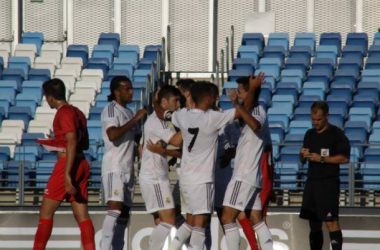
{"type": "Point", "coordinates": [167, 200]}
{"type": "Point", "coordinates": [325, 152]}
{"type": "Point", "coordinates": [116, 192]}
{"type": "Point", "coordinates": [46, 191]}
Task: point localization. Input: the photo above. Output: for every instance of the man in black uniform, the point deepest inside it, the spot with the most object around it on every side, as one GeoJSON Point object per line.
{"type": "Point", "coordinates": [325, 147]}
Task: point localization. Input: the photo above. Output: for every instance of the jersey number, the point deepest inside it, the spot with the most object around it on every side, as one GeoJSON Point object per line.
{"type": "Point", "coordinates": [193, 131]}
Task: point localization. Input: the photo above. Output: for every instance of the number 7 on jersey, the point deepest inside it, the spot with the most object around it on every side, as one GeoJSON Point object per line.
{"type": "Point", "coordinates": [193, 131]}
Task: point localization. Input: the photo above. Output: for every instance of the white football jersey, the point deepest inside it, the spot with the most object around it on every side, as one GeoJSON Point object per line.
{"type": "Point", "coordinates": [200, 135]}
{"type": "Point", "coordinates": [155, 166]}
{"type": "Point", "coordinates": [250, 149]}
{"type": "Point", "coordinates": [119, 155]}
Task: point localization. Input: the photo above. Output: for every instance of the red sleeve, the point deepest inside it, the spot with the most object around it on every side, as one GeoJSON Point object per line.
{"type": "Point", "coordinates": [67, 121]}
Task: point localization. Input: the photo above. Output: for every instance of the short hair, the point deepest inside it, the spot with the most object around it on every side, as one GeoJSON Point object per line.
{"type": "Point", "coordinates": [200, 90]}
{"type": "Point", "coordinates": [55, 88]}
{"type": "Point", "coordinates": [245, 82]}
{"type": "Point", "coordinates": [320, 105]}
{"type": "Point", "coordinates": [167, 91]}
{"type": "Point", "coordinates": [115, 84]}
{"type": "Point", "coordinates": [215, 89]}
{"type": "Point", "coordinates": [185, 84]}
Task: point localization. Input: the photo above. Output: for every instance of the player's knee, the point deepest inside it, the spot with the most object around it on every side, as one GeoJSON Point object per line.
{"type": "Point", "coordinates": [255, 218]}
{"type": "Point", "coordinates": [332, 226]}
{"type": "Point", "coordinates": [315, 226]}
{"type": "Point", "coordinates": [226, 218]}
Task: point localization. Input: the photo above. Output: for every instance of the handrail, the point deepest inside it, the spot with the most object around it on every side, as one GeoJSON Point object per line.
{"type": "Point", "coordinates": [232, 42]}
{"type": "Point", "coordinates": [163, 57]}
{"type": "Point", "coordinates": [158, 66]}
{"type": "Point", "coordinates": [168, 46]}
{"type": "Point", "coordinates": [212, 78]}
{"type": "Point", "coordinates": [222, 66]}
{"type": "Point", "coordinates": [153, 70]}
{"type": "Point", "coordinates": [217, 73]}
{"type": "Point", "coordinates": [147, 90]}
{"type": "Point", "coordinates": [227, 54]}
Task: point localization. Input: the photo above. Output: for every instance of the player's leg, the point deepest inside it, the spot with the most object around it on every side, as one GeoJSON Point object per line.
{"type": "Point", "coordinates": [119, 231]}
{"type": "Point", "coordinates": [163, 228]}
{"type": "Point", "coordinates": [248, 230]}
{"type": "Point", "coordinates": [179, 219]}
{"type": "Point", "coordinates": [336, 237]}
{"type": "Point", "coordinates": [332, 222]}
{"type": "Point", "coordinates": [231, 230]}
{"type": "Point", "coordinates": [45, 225]}
{"type": "Point", "coordinates": [316, 235]}
{"type": "Point", "coordinates": [86, 227]}
{"type": "Point", "coordinates": [198, 234]}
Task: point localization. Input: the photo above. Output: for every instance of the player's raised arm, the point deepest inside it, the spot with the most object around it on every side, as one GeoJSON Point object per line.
{"type": "Point", "coordinates": [251, 121]}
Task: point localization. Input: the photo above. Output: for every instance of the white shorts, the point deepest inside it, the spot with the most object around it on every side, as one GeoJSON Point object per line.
{"type": "Point", "coordinates": [118, 186]}
{"type": "Point", "coordinates": [198, 199]}
{"type": "Point", "coordinates": [242, 196]}
{"type": "Point", "coordinates": [157, 195]}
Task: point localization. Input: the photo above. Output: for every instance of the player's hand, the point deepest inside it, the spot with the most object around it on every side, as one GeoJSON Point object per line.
{"type": "Point", "coordinates": [305, 152]}
{"type": "Point", "coordinates": [254, 83]}
{"type": "Point", "coordinates": [313, 157]}
{"type": "Point", "coordinates": [48, 136]}
{"type": "Point", "coordinates": [233, 97]}
{"type": "Point", "coordinates": [70, 189]}
{"type": "Point", "coordinates": [140, 114]}
{"type": "Point", "coordinates": [156, 148]}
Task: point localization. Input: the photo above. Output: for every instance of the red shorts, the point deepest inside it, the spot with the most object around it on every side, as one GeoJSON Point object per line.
{"type": "Point", "coordinates": [55, 188]}
{"type": "Point", "coordinates": [267, 184]}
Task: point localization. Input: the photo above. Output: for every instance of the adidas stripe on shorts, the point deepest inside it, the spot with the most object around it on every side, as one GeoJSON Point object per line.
{"type": "Point", "coordinates": [242, 196]}
{"type": "Point", "coordinates": [157, 195]}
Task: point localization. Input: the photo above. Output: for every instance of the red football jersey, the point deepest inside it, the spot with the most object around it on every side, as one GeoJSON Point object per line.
{"type": "Point", "coordinates": [68, 119]}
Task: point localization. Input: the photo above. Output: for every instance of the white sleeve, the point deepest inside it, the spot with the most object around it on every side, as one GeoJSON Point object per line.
{"type": "Point", "coordinates": [110, 118]}
{"type": "Point", "coordinates": [220, 119]}
{"type": "Point", "coordinates": [163, 132]}
{"type": "Point", "coordinates": [260, 115]}
{"type": "Point", "coordinates": [176, 117]}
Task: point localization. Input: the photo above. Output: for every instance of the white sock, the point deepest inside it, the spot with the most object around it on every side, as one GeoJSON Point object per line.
{"type": "Point", "coordinates": [159, 235]}
{"type": "Point", "coordinates": [232, 236]}
{"type": "Point", "coordinates": [265, 237]}
{"type": "Point", "coordinates": [108, 229]}
{"type": "Point", "coordinates": [183, 233]}
{"type": "Point", "coordinates": [197, 240]}
{"type": "Point", "coordinates": [119, 234]}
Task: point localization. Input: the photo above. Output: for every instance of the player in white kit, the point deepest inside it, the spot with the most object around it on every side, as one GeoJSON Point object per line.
{"type": "Point", "coordinates": [154, 175]}
{"type": "Point", "coordinates": [199, 128]}
{"type": "Point", "coordinates": [243, 191]}
{"type": "Point", "coordinates": [118, 130]}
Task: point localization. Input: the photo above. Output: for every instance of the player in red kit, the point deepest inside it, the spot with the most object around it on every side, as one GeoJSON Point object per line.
{"type": "Point", "coordinates": [69, 178]}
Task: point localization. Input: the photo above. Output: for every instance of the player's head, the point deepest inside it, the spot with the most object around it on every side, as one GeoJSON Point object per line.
{"type": "Point", "coordinates": [169, 97]}
{"type": "Point", "coordinates": [54, 90]}
{"type": "Point", "coordinates": [215, 94]}
{"type": "Point", "coordinates": [184, 85]}
{"type": "Point", "coordinates": [320, 115]}
{"type": "Point", "coordinates": [243, 87]}
{"type": "Point", "coordinates": [202, 94]}
{"type": "Point", "coordinates": [121, 90]}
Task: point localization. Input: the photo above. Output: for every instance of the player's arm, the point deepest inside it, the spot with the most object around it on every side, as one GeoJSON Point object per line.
{"type": "Point", "coordinates": [115, 133]}
{"type": "Point", "coordinates": [251, 121]}
{"type": "Point", "coordinates": [336, 159]}
{"type": "Point", "coordinates": [176, 139]}
{"type": "Point", "coordinates": [158, 148]}
{"type": "Point", "coordinates": [71, 138]}
{"type": "Point", "coordinates": [254, 83]}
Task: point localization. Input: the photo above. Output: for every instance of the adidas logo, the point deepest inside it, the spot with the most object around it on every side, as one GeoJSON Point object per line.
{"type": "Point", "coordinates": [329, 215]}
{"type": "Point", "coordinates": [334, 242]}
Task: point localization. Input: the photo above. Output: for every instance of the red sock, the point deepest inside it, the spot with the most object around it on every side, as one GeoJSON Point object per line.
{"type": "Point", "coordinates": [43, 233]}
{"type": "Point", "coordinates": [87, 234]}
{"type": "Point", "coordinates": [249, 233]}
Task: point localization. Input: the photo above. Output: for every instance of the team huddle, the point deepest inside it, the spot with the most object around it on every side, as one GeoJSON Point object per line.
{"type": "Point", "coordinates": [209, 140]}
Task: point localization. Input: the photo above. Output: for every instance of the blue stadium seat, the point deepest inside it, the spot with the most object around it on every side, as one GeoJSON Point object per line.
{"type": "Point", "coordinates": [275, 138]}
{"type": "Point", "coordinates": [112, 39]}
{"type": "Point", "coordinates": [358, 39]}
{"type": "Point", "coordinates": [353, 64]}
{"type": "Point", "coordinates": [361, 114]}
{"type": "Point", "coordinates": [244, 64]}
{"type": "Point", "coordinates": [4, 154]}
{"type": "Point", "coordinates": [336, 121]}
{"type": "Point", "coordinates": [44, 168]}
{"type": "Point", "coordinates": [99, 63]}
{"type": "Point", "coordinates": [5, 103]}
{"type": "Point", "coordinates": [369, 75]}
{"type": "Point", "coordinates": [279, 115]}
{"type": "Point", "coordinates": [314, 88]}
{"type": "Point", "coordinates": [130, 52]}
{"type": "Point", "coordinates": [150, 52]}
{"type": "Point", "coordinates": [95, 131]}
{"type": "Point", "coordinates": [374, 51]}
{"type": "Point", "coordinates": [374, 139]}
{"type": "Point", "coordinates": [100, 153]}
{"type": "Point", "coordinates": [300, 52]}
{"type": "Point", "coordinates": [225, 102]}
{"type": "Point", "coordinates": [298, 63]}
{"type": "Point", "coordinates": [271, 76]}
{"type": "Point", "coordinates": [33, 88]}
{"type": "Point", "coordinates": [299, 127]}
{"type": "Point", "coordinates": [338, 101]}
{"type": "Point", "coordinates": [306, 39]}
{"type": "Point", "coordinates": [279, 39]}
{"type": "Point", "coordinates": [13, 173]}
{"type": "Point", "coordinates": [274, 52]}
{"type": "Point", "coordinates": [356, 128]}
{"type": "Point", "coordinates": [373, 63]}
{"type": "Point", "coordinates": [331, 39]}
{"type": "Point", "coordinates": [364, 101]}
{"type": "Point", "coordinates": [104, 51]}
{"type": "Point", "coordinates": [20, 113]}
{"type": "Point", "coordinates": [290, 154]}
{"type": "Point", "coordinates": [101, 101]}
{"type": "Point", "coordinates": [8, 89]}
{"type": "Point", "coordinates": [279, 100]}
{"type": "Point", "coordinates": [256, 39]}
{"type": "Point", "coordinates": [346, 76]}
{"type": "Point", "coordinates": [117, 72]}
{"type": "Point", "coordinates": [286, 174]}
{"type": "Point", "coordinates": [78, 51]}
{"type": "Point", "coordinates": [372, 155]}
{"type": "Point", "coordinates": [146, 63]}
{"type": "Point", "coordinates": [29, 139]}
{"type": "Point", "coordinates": [95, 114]}
{"type": "Point", "coordinates": [353, 51]}
{"type": "Point", "coordinates": [27, 100]}
{"type": "Point", "coordinates": [302, 114]}
{"type": "Point", "coordinates": [16, 75]}
{"type": "Point", "coordinates": [89, 153]}
{"type": "Point", "coordinates": [124, 64]}
{"type": "Point", "coordinates": [305, 101]}
{"type": "Point", "coordinates": [278, 128]}
{"type": "Point", "coordinates": [342, 88]}
{"type": "Point", "coordinates": [327, 51]}
{"type": "Point", "coordinates": [323, 64]}
{"type": "Point", "coordinates": [140, 75]}
{"type": "Point", "coordinates": [105, 87]}
{"type": "Point", "coordinates": [27, 153]}
{"type": "Point", "coordinates": [319, 75]}
{"type": "Point", "coordinates": [376, 127]}
{"type": "Point", "coordinates": [2, 113]}
{"type": "Point", "coordinates": [95, 174]}
{"type": "Point", "coordinates": [337, 112]}
{"type": "Point", "coordinates": [39, 75]}
{"type": "Point", "coordinates": [270, 63]}
{"type": "Point", "coordinates": [265, 96]}
{"type": "Point", "coordinates": [376, 39]}
{"type": "Point", "coordinates": [249, 52]}
{"type": "Point", "coordinates": [1, 66]}
{"type": "Point", "coordinates": [285, 88]}
{"type": "Point", "coordinates": [294, 138]}
{"type": "Point", "coordinates": [36, 38]}
{"type": "Point", "coordinates": [234, 74]}
{"type": "Point", "coordinates": [48, 156]}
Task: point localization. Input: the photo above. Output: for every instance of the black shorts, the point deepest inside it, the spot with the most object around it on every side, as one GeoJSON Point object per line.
{"type": "Point", "coordinates": [320, 200]}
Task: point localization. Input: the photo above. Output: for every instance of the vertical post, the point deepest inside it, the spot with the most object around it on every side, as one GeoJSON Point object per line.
{"type": "Point", "coordinates": [232, 43]}
{"type": "Point", "coordinates": [17, 23]}
{"type": "Point", "coordinates": [351, 185]}
{"type": "Point", "coordinates": [359, 15]}
{"type": "Point", "coordinates": [217, 73]}
{"type": "Point", "coordinates": [310, 15]}
{"type": "Point", "coordinates": [262, 5]}
{"type": "Point", "coordinates": [163, 58]}
{"type": "Point", "coordinates": [159, 53]}
{"type": "Point", "coordinates": [21, 182]}
{"type": "Point", "coordinates": [222, 67]}
{"type": "Point", "coordinates": [211, 36]}
{"type": "Point", "coordinates": [227, 54]}
{"type": "Point", "coordinates": [117, 16]}
{"type": "Point", "coordinates": [70, 23]}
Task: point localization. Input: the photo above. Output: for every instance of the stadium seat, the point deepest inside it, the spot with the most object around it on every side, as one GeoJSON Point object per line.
{"type": "Point", "coordinates": [256, 39]}
{"type": "Point", "coordinates": [376, 127]}
{"type": "Point", "coordinates": [285, 88]}
{"type": "Point", "coordinates": [35, 38]}
{"type": "Point", "coordinates": [20, 113]}
{"type": "Point", "coordinates": [246, 64]}
{"type": "Point", "coordinates": [95, 114]}
{"type": "Point", "coordinates": [327, 51]}
{"type": "Point", "coordinates": [13, 126]}
{"type": "Point", "coordinates": [306, 39]}
{"type": "Point", "coordinates": [40, 126]}
{"type": "Point", "coordinates": [275, 52]}
{"type": "Point", "coordinates": [99, 63]}
{"type": "Point", "coordinates": [44, 168]}
{"type": "Point", "coordinates": [319, 75]}
{"type": "Point", "coordinates": [51, 51]}
{"type": "Point", "coordinates": [374, 140]}
{"type": "Point", "coordinates": [29, 139]}
{"type": "Point", "coordinates": [26, 50]}
{"type": "Point", "coordinates": [83, 88]}
{"type": "Point", "coordinates": [359, 128]}
{"type": "Point", "coordinates": [93, 75]}
{"type": "Point", "coordinates": [27, 153]}
{"type": "Point", "coordinates": [39, 75]}
{"type": "Point", "coordinates": [225, 103]}
{"type": "Point", "coordinates": [305, 101]}
{"type": "Point", "coordinates": [353, 51]}
{"type": "Point", "coordinates": [140, 75]}
{"type": "Point", "coordinates": [279, 39]}
{"type": "Point", "coordinates": [290, 154]}
{"type": "Point", "coordinates": [299, 127]}
{"type": "Point", "coordinates": [33, 88]}
{"type": "Point", "coordinates": [303, 52]}
{"type": "Point", "coordinates": [374, 51]}
{"type": "Point", "coordinates": [373, 63]}
{"type": "Point", "coordinates": [112, 39]}
{"type": "Point", "coordinates": [123, 64]}
{"type": "Point", "coordinates": [45, 114]}
{"type": "Point", "coordinates": [358, 39]}
{"type": "Point", "coordinates": [369, 75]}
{"type": "Point", "coordinates": [324, 64]}
{"type": "Point", "coordinates": [4, 154]}
{"type": "Point", "coordinates": [75, 63]}
{"type": "Point", "coordinates": [346, 76]}
{"type": "Point", "coordinates": [302, 64]}
{"type": "Point", "coordinates": [78, 51]}
{"type": "Point", "coordinates": [118, 72]}
{"type": "Point", "coordinates": [294, 138]}
{"type": "Point", "coordinates": [13, 173]}
{"type": "Point", "coordinates": [353, 64]}
{"type": "Point", "coordinates": [10, 139]}
{"type": "Point", "coordinates": [95, 131]}
{"type": "Point", "coordinates": [101, 101]}
{"type": "Point", "coordinates": [278, 115]}
{"type": "Point", "coordinates": [314, 88]}
{"type": "Point", "coordinates": [361, 114]}
{"type": "Point", "coordinates": [19, 63]}
{"type": "Point", "coordinates": [151, 51]}
{"type": "Point", "coordinates": [249, 52]}
{"type": "Point", "coordinates": [5, 51]}
{"type": "Point", "coordinates": [131, 52]}
{"type": "Point", "coordinates": [8, 89]}
{"type": "Point", "coordinates": [104, 51]}
{"type": "Point", "coordinates": [331, 39]}
{"type": "Point", "coordinates": [46, 63]}
{"type": "Point", "coordinates": [364, 101]}
{"type": "Point", "coordinates": [2, 113]}
{"type": "Point", "coordinates": [302, 114]}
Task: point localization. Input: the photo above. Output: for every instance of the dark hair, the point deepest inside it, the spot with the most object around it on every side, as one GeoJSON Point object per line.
{"type": "Point", "coordinates": [185, 84]}
{"type": "Point", "coordinates": [167, 91]}
{"type": "Point", "coordinates": [55, 88]}
{"type": "Point", "coordinates": [215, 89]}
{"type": "Point", "coordinates": [200, 90]}
{"type": "Point", "coordinates": [245, 81]}
{"type": "Point", "coordinates": [115, 84]}
{"type": "Point", "coordinates": [320, 105]}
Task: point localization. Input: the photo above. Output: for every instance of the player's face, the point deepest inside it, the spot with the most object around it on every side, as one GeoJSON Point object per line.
{"type": "Point", "coordinates": [319, 120]}
{"type": "Point", "coordinates": [173, 103]}
{"type": "Point", "coordinates": [242, 93]}
{"type": "Point", "coordinates": [50, 101]}
{"type": "Point", "coordinates": [125, 92]}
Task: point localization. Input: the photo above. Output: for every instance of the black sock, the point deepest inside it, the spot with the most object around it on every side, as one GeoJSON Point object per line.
{"type": "Point", "coordinates": [336, 240]}
{"type": "Point", "coordinates": [316, 240]}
